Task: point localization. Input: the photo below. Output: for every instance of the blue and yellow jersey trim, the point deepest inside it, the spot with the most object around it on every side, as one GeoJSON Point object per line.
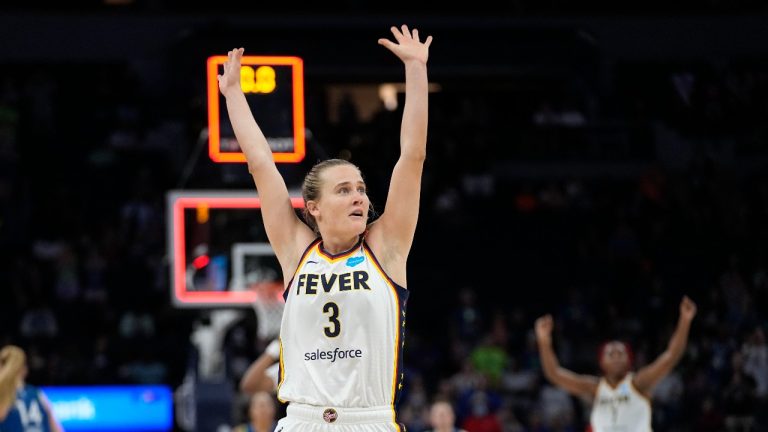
{"type": "Point", "coordinates": [280, 372]}
{"type": "Point", "coordinates": [302, 261]}
{"type": "Point", "coordinates": [401, 295]}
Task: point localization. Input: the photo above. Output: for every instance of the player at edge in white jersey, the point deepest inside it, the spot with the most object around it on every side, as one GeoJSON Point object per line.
{"type": "Point", "coordinates": [621, 399]}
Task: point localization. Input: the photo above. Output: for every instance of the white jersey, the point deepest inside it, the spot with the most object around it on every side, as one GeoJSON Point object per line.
{"type": "Point", "coordinates": [620, 409]}
{"type": "Point", "coordinates": [342, 332]}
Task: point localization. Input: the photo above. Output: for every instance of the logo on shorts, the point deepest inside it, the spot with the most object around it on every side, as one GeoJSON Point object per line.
{"type": "Point", "coordinates": [330, 415]}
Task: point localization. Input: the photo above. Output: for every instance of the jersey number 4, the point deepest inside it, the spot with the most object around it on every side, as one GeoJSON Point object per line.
{"type": "Point", "coordinates": [332, 309]}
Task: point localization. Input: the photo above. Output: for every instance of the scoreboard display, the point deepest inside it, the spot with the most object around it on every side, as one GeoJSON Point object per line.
{"type": "Point", "coordinates": [274, 88]}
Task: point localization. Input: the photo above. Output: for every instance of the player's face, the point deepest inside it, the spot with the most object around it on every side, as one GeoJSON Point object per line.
{"type": "Point", "coordinates": [615, 359]}
{"type": "Point", "coordinates": [343, 204]}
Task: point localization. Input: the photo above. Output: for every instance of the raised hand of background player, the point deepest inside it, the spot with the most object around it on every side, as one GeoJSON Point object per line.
{"type": "Point", "coordinates": [687, 309]}
{"type": "Point", "coordinates": [408, 46]}
{"type": "Point", "coordinates": [543, 327]}
{"type": "Point", "coordinates": [230, 80]}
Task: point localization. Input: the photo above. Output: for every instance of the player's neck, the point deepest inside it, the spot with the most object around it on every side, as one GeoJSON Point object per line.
{"type": "Point", "coordinates": [335, 245]}
{"type": "Point", "coordinates": [614, 380]}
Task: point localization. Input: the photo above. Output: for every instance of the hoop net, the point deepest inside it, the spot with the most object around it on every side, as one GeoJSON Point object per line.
{"type": "Point", "coordinates": [269, 305]}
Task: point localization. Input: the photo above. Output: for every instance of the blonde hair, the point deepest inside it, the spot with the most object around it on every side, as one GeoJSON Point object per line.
{"type": "Point", "coordinates": [310, 189]}
{"type": "Point", "coordinates": [13, 361]}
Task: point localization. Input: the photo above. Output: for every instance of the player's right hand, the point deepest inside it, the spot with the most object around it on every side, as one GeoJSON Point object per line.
{"type": "Point", "coordinates": [230, 80]}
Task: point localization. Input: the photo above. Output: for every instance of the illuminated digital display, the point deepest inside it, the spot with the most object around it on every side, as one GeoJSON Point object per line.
{"type": "Point", "coordinates": [274, 87]}
{"type": "Point", "coordinates": [259, 80]}
{"type": "Point", "coordinates": [112, 408]}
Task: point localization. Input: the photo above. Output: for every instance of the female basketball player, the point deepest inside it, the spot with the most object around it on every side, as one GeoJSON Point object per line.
{"type": "Point", "coordinates": [23, 407]}
{"type": "Point", "coordinates": [342, 327]}
{"type": "Point", "coordinates": [620, 399]}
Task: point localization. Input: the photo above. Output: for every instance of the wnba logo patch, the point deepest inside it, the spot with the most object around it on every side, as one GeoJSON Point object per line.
{"type": "Point", "coordinates": [330, 415]}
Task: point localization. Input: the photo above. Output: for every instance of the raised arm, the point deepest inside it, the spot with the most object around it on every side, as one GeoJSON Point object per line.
{"type": "Point", "coordinates": [647, 377]}
{"type": "Point", "coordinates": [576, 384]}
{"type": "Point", "coordinates": [287, 234]}
{"type": "Point", "coordinates": [392, 234]}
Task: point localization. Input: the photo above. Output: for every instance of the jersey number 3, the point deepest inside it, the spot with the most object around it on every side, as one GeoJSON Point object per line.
{"type": "Point", "coordinates": [332, 309]}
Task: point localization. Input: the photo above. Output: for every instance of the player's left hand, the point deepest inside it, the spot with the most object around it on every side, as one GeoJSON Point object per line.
{"type": "Point", "coordinates": [230, 80]}
{"type": "Point", "coordinates": [687, 309]}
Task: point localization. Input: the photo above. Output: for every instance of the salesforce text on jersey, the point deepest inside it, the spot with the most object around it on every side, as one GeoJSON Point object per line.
{"type": "Point", "coordinates": [333, 355]}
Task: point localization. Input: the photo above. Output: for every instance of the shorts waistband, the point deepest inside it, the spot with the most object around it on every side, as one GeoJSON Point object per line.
{"type": "Point", "coordinates": [337, 415]}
